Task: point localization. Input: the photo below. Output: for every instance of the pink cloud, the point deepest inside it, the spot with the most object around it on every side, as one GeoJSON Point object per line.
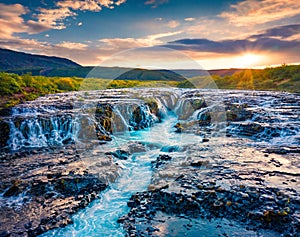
{"type": "Point", "coordinates": [253, 12]}
{"type": "Point", "coordinates": [12, 22]}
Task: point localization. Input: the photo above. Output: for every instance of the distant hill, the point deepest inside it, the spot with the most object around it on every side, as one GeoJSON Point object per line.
{"type": "Point", "coordinates": [22, 63]}
{"type": "Point", "coordinates": [189, 73]}
{"type": "Point", "coordinates": [12, 60]}
{"type": "Point", "coordinates": [150, 75]}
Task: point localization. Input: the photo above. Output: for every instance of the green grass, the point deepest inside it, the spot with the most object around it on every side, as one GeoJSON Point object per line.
{"type": "Point", "coordinates": [15, 89]}
{"type": "Point", "coordinates": [283, 78]}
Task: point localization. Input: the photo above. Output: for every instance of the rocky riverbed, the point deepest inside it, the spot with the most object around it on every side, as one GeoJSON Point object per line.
{"type": "Point", "coordinates": [219, 163]}
{"type": "Point", "coordinates": [257, 189]}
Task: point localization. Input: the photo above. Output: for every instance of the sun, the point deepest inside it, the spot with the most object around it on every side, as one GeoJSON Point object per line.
{"type": "Point", "coordinates": [248, 60]}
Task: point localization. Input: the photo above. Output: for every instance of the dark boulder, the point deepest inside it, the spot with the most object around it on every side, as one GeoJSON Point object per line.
{"type": "Point", "coordinates": [4, 134]}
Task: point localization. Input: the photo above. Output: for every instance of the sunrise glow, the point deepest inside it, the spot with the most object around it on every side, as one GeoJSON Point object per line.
{"type": "Point", "coordinates": [248, 60]}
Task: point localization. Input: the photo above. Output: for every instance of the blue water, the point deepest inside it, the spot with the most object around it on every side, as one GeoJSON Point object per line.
{"type": "Point", "coordinates": [100, 217]}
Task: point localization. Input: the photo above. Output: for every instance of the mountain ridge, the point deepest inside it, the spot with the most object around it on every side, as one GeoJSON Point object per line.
{"type": "Point", "coordinates": [21, 63]}
{"type": "Point", "coordinates": [12, 60]}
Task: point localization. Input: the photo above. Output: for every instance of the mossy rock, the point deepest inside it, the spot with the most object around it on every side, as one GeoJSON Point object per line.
{"type": "Point", "coordinates": [153, 106]}
{"type": "Point", "coordinates": [104, 115]}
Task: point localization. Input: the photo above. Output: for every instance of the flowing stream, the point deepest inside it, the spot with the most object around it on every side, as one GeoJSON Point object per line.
{"type": "Point", "coordinates": [100, 218]}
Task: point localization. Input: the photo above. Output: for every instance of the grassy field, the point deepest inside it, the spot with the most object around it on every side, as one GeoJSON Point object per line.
{"type": "Point", "coordinates": [15, 89]}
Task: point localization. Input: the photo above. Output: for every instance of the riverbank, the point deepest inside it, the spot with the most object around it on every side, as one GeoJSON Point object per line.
{"type": "Point", "coordinates": [16, 89]}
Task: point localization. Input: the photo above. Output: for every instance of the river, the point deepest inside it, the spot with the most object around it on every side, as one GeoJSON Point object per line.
{"type": "Point", "coordinates": [219, 151]}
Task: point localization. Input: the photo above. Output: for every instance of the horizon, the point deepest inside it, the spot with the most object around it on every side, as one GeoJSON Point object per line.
{"type": "Point", "coordinates": [216, 35]}
{"type": "Point", "coordinates": [144, 68]}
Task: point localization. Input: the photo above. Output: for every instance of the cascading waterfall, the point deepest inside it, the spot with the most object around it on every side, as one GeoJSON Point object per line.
{"type": "Point", "coordinates": [58, 120]}
{"type": "Point", "coordinates": [101, 217]}
{"type": "Point", "coordinates": [51, 124]}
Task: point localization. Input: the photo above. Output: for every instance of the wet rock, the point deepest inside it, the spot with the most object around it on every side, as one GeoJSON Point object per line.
{"type": "Point", "coordinates": [104, 115]}
{"type": "Point", "coordinates": [14, 190]}
{"type": "Point", "coordinates": [153, 106]}
{"type": "Point", "coordinates": [143, 116]}
{"type": "Point", "coordinates": [5, 233]}
{"type": "Point", "coordinates": [5, 131]}
{"type": "Point", "coordinates": [136, 147]}
{"type": "Point", "coordinates": [71, 186]}
{"type": "Point", "coordinates": [120, 154]}
{"type": "Point", "coordinates": [204, 118]}
{"type": "Point", "coordinates": [161, 159]}
{"type": "Point", "coordinates": [178, 127]}
{"type": "Point", "coordinates": [48, 191]}
{"type": "Point", "coordinates": [238, 112]}
{"type": "Point", "coordinates": [200, 163]}
{"type": "Point", "coordinates": [170, 148]}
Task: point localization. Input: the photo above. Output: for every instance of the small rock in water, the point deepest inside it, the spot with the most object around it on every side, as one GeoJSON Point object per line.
{"type": "Point", "coordinates": [170, 149]}
{"type": "Point", "coordinates": [205, 140]}
{"type": "Point", "coordinates": [178, 127]}
{"type": "Point", "coordinates": [200, 163]}
{"type": "Point", "coordinates": [120, 154]}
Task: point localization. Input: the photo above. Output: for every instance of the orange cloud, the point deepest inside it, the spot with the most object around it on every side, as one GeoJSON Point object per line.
{"type": "Point", "coordinates": [66, 8]}
{"type": "Point", "coordinates": [253, 12]}
{"type": "Point", "coordinates": [72, 45]}
{"type": "Point", "coordinates": [11, 21]}
{"type": "Point", "coordinates": [118, 44]}
{"type": "Point", "coordinates": [189, 19]}
{"type": "Point", "coordinates": [173, 24]}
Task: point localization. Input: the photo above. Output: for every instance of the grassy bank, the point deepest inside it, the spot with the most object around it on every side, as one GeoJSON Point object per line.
{"type": "Point", "coordinates": [15, 89]}
{"type": "Point", "coordinates": [283, 78]}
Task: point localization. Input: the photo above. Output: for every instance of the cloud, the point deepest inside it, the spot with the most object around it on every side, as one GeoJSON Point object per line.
{"type": "Point", "coordinates": [72, 45]}
{"type": "Point", "coordinates": [54, 18]}
{"type": "Point", "coordinates": [253, 12]}
{"type": "Point", "coordinates": [118, 44]}
{"type": "Point", "coordinates": [190, 19]}
{"type": "Point", "coordinates": [12, 22]}
{"type": "Point", "coordinates": [36, 27]}
{"type": "Point", "coordinates": [156, 3]}
{"type": "Point", "coordinates": [118, 3]}
{"type": "Point", "coordinates": [282, 32]}
{"type": "Point", "coordinates": [173, 24]}
{"type": "Point", "coordinates": [27, 45]}
{"type": "Point", "coordinates": [235, 46]}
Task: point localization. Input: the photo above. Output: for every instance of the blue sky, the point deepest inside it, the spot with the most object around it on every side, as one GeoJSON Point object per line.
{"type": "Point", "coordinates": [215, 33]}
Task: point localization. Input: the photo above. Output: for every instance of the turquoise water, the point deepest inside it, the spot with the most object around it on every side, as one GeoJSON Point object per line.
{"type": "Point", "coordinates": [100, 217]}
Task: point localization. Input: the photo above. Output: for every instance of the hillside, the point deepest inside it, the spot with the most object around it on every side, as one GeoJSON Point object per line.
{"type": "Point", "coordinates": [39, 65]}
{"type": "Point", "coordinates": [12, 60]}
{"type": "Point", "coordinates": [151, 75]}
{"type": "Point", "coordinates": [189, 73]}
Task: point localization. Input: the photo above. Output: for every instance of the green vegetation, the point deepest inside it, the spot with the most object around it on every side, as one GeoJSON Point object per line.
{"type": "Point", "coordinates": [283, 78]}
{"type": "Point", "coordinates": [16, 89]}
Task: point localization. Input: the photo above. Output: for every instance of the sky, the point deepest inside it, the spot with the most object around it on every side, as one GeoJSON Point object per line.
{"type": "Point", "coordinates": [213, 34]}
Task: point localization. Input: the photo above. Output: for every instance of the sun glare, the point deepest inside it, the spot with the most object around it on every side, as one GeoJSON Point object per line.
{"type": "Point", "coordinates": [248, 60]}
